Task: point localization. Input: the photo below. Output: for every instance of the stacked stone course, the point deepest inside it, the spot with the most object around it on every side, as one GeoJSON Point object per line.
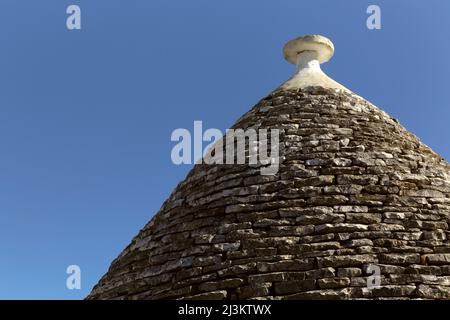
{"type": "Point", "coordinates": [354, 189]}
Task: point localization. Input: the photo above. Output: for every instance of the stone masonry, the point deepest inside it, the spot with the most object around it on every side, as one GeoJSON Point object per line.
{"type": "Point", "coordinates": [354, 189]}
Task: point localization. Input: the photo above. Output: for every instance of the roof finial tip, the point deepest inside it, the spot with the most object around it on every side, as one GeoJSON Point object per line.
{"type": "Point", "coordinates": [321, 45]}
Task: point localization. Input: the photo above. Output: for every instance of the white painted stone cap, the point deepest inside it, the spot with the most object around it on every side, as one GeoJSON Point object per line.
{"type": "Point", "coordinates": [316, 43]}
{"type": "Point", "coordinates": [308, 53]}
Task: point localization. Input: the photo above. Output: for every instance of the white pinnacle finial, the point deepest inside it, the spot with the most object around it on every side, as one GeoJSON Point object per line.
{"type": "Point", "coordinates": [308, 53]}
{"type": "Point", "coordinates": [322, 46]}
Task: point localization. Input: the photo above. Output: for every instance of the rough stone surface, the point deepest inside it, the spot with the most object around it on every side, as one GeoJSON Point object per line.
{"type": "Point", "coordinates": [354, 188]}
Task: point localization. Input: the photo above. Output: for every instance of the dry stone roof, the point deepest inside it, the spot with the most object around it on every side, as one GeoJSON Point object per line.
{"type": "Point", "coordinates": [354, 190]}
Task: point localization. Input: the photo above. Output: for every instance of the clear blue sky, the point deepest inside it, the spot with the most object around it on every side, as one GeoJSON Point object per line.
{"type": "Point", "coordinates": [86, 116]}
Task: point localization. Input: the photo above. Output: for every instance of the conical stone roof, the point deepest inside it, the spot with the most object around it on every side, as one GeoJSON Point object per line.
{"type": "Point", "coordinates": [354, 192]}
